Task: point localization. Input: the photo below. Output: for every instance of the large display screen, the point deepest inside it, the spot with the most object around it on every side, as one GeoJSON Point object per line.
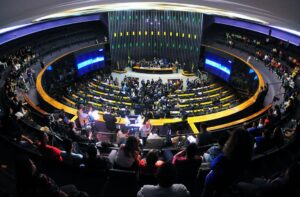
{"type": "Point", "coordinates": [218, 66]}
{"type": "Point", "coordinates": [89, 61]}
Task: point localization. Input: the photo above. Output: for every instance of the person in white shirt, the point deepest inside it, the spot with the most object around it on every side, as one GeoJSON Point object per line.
{"type": "Point", "coordinates": [17, 66]}
{"type": "Point", "coordinates": [4, 64]}
{"type": "Point", "coordinates": [166, 177]}
{"type": "Point", "coordinates": [128, 155]}
{"type": "Point", "coordinates": [153, 135]}
{"type": "Point", "coordinates": [69, 157]}
{"type": "Point", "coordinates": [249, 58]}
{"type": "Point", "coordinates": [145, 130]}
{"type": "Point", "coordinates": [122, 136]}
{"type": "Point", "coordinates": [82, 116]}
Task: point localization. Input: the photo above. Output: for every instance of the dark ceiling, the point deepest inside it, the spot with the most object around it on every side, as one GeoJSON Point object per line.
{"type": "Point", "coordinates": [283, 13]}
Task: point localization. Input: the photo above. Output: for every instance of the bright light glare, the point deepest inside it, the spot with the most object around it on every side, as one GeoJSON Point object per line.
{"type": "Point", "coordinates": [89, 62]}
{"type": "Point", "coordinates": [95, 115]}
{"type": "Point", "coordinates": [297, 33]}
{"type": "Point", "coordinates": [218, 66]}
{"type": "Point", "coordinates": [126, 121]}
{"type": "Point", "coordinates": [148, 6]}
{"type": "Point", "coordinates": [4, 30]}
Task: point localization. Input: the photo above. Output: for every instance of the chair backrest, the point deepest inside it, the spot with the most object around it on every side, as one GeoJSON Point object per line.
{"type": "Point", "coordinates": [187, 172]}
{"type": "Point", "coordinates": [122, 175]}
{"type": "Point", "coordinates": [154, 144]}
{"type": "Point", "coordinates": [147, 179]}
{"type": "Point", "coordinates": [120, 183]}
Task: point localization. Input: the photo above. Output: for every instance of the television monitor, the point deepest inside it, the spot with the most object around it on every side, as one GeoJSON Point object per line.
{"type": "Point", "coordinates": [90, 61]}
{"type": "Point", "coordinates": [218, 66]}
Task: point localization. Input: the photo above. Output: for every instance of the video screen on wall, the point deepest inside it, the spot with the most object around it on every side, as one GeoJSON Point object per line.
{"type": "Point", "coordinates": [217, 65]}
{"type": "Point", "coordinates": [243, 77]}
{"type": "Point", "coordinates": [230, 69]}
{"type": "Point", "coordinates": [91, 60]}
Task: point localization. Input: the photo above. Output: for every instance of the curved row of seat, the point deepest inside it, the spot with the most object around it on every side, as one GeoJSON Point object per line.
{"type": "Point", "coordinates": [198, 101]}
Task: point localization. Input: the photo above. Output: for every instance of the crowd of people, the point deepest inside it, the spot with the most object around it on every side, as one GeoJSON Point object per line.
{"type": "Point", "coordinates": [155, 63]}
{"type": "Point", "coordinates": [276, 56]}
{"type": "Point", "coordinates": [151, 98]}
{"type": "Point", "coordinates": [176, 174]}
{"type": "Point", "coordinates": [171, 173]}
{"type": "Point", "coordinates": [153, 94]}
{"type": "Point", "coordinates": [21, 78]}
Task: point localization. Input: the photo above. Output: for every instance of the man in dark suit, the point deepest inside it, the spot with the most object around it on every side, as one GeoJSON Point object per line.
{"type": "Point", "coordinates": [204, 138]}
{"type": "Point", "coordinates": [110, 121]}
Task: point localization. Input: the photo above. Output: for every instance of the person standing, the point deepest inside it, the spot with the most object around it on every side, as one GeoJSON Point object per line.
{"type": "Point", "coordinates": [203, 138]}
{"type": "Point", "coordinates": [110, 121]}
{"type": "Point", "coordinates": [145, 130]}
{"type": "Point", "coordinates": [82, 116]}
{"type": "Point", "coordinates": [30, 77]}
{"type": "Point", "coordinates": [249, 58]}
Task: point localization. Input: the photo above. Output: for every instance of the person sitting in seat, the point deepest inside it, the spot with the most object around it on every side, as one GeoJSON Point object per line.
{"type": "Point", "coordinates": [166, 177]}
{"type": "Point", "coordinates": [187, 163]}
{"type": "Point", "coordinates": [128, 155]}
{"type": "Point", "coordinates": [69, 157]}
{"type": "Point", "coordinates": [122, 136]}
{"type": "Point", "coordinates": [252, 130]}
{"type": "Point", "coordinates": [190, 153]}
{"type": "Point", "coordinates": [264, 142]}
{"type": "Point", "coordinates": [151, 163]}
{"type": "Point", "coordinates": [154, 134]}
{"type": "Point", "coordinates": [216, 150]}
{"type": "Point", "coordinates": [94, 161]}
{"type": "Point", "coordinates": [74, 133]}
{"type": "Point", "coordinates": [179, 139]}
{"type": "Point", "coordinates": [50, 152]}
{"type": "Point", "coordinates": [229, 166]}
{"type": "Point", "coordinates": [154, 141]}
{"type": "Point", "coordinates": [293, 133]}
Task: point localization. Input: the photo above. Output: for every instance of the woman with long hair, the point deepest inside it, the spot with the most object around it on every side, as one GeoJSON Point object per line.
{"type": "Point", "coordinates": [128, 155]}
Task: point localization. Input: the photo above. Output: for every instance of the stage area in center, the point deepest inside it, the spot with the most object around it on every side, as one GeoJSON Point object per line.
{"type": "Point", "coordinates": [145, 76]}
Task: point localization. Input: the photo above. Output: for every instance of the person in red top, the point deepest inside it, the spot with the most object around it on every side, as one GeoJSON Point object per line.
{"type": "Point", "coordinates": [187, 163]}
{"type": "Point", "coordinates": [50, 152]}
{"type": "Point", "coordinates": [189, 153]}
{"type": "Point", "coordinates": [267, 121]}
